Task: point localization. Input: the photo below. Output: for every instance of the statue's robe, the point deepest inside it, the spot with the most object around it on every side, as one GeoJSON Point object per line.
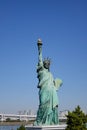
{"type": "Point", "coordinates": [48, 100]}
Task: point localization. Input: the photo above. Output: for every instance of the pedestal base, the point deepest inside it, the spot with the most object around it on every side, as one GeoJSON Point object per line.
{"type": "Point", "coordinates": [51, 127]}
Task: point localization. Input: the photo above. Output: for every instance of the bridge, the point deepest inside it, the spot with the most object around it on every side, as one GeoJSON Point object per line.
{"type": "Point", "coordinates": [25, 117]}
{"type": "Point", "coordinates": [3, 117]}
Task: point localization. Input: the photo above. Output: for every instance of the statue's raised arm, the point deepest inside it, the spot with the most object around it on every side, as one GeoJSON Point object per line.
{"type": "Point", "coordinates": [40, 61]}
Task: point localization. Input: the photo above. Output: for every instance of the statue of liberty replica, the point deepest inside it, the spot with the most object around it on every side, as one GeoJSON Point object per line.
{"type": "Point", "coordinates": [47, 113]}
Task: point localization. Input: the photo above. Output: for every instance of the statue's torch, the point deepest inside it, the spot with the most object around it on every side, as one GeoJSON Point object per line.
{"type": "Point", "coordinates": [39, 44]}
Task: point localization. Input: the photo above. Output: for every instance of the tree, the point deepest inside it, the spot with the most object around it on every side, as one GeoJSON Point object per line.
{"type": "Point", "coordinates": [21, 128]}
{"type": "Point", "coordinates": [8, 120]}
{"type": "Point", "coordinates": [76, 120]}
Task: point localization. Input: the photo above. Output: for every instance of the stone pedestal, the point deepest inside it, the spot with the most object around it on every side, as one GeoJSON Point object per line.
{"type": "Point", "coordinates": [51, 127]}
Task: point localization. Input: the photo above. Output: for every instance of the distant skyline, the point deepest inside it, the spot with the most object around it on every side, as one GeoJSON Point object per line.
{"type": "Point", "coordinates": [62, 26]}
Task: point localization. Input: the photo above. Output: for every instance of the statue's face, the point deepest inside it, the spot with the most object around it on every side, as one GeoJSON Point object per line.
{"type": "Point", "coordinates": [46, 65]}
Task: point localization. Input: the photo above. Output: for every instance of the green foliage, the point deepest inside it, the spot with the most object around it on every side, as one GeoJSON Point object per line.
{"type": "Point", "coordinates": [8, 120]}
{"type": "Point", "coordinates": [76, 120]}
{"type": "Point", "coordinates": [21, 128]}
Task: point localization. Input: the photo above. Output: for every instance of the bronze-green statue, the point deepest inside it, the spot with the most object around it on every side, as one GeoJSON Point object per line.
{"type": "Point", "coordinates": [47, 113]}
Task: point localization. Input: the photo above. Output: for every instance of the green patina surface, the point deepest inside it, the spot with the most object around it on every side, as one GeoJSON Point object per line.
{"type": "Point", "coordinates": [48, 100]}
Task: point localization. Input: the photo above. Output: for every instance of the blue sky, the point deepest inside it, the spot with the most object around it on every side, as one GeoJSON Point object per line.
{"type": "Point", "coordinates": [62, 26]}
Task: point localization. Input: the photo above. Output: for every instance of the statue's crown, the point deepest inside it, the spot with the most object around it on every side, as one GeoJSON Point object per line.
{"type": "Point", "coordinates": [46, 61]}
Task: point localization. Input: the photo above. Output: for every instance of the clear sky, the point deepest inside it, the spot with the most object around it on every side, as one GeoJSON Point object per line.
{"type": "Point", "coordinates": [62, 26]}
